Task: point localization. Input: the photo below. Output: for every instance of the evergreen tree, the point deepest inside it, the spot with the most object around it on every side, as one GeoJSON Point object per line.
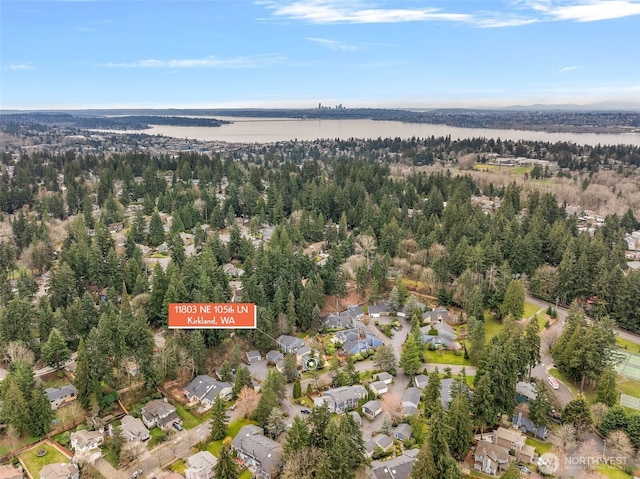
{"type": "Point", "coordinates": [219, 419]}
{"type": "Point", "coordinates": [156, 229]}
{"type": "Point", "coordinates": [540, 407]}
{"type": "Point", "coordinates": [532, 343]}
{"type": "Point", "coordinates": [318, 422]}
{"type": "Point", "coordinates": [226, 467]}
{"type": "Point", "coordinates": [607, 387]}
{"type": "Point", "coordinates": [297, 389]}
{"type": "Point", "coordinates": [55, 351]}
{"type": "Point", "coordinates": [410, 359]}
{"type": "Point", "coordinates": [298, 436]}
{"type": "Point", "coordinates": [476, 338]}
{"type": "Point", "coordinates": [243, 378]}
{"type": "Point", "coordinates": [40, 412]}
{"type": "Point", "coordinates": [385, 358]}
{"type": "Point", "coordinates": [424, 467]}
{"type": "Point", "coordinates": [438, 439]}
{"type": "Point", "coordinates": [513, 302]}
{"type": "Point", "coordinates": [432, 394]}
{"type": "Point", "coordinates": [484, 406]}
{"type": "Point", "coordinates": [275, 423]}
{"type": "Point", "coordinates": [578, 413]}
{"type": "Point", "coordinates": [512, 472]}
{"type": "Point", "coordinates": [15, 410]}
{"type": "Point", "coordinates": [82, 379]}
{"type": "Point", "coordinates": [459, 422]}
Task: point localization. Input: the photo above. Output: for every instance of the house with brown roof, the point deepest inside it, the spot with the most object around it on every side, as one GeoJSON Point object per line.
{"type": "Point", "coordinates": [60, 471]}
{"type": "Point", "coordinates": [491, 458]}
{"type": "Point", "coordinates": [9, 472]}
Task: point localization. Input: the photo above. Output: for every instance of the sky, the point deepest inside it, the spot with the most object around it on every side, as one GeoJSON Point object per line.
{"type": "Point", "coordinates": [299, 53]}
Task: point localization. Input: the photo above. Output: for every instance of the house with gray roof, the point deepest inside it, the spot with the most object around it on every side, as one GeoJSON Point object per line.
{"type": "Point", "coordinates": [525, 392]}
{"type": "Point", "coordinates": [446, 395]}
{"type": "Point", "coordinates": [421, 381]}
{"type": "Point", "coordinates": [60, 470]}
{"type": "Point", "coordinates": [200, 465]}
{"type": "Point", "coordinates": [372, 408]}
{"type": "Point", "coordinates": [338, 321]}
{"type": "Point", "coordinates": [382, 441]}
{"type": "Point", "coordinates": [133, 429]}
{"type": "Point", "coordinates": [402, 432]}
{"type": "Point", "coordinates": [525, 425]}
{"type": "Point", "coordinates": [397, 468]}
{"type": "Point", "coordinates": [436, 315]}
{"type": "Point", "coordinates": [379, 388]}
{"type": "Point", "coordinates": [258, 452]}
{"type": "Point", "coordinates": [356, 417]}
{"type": "Point", "coordinates": [159, 413]}
{"type": "Point", "coordinates": [411, 401]}
{"type": "Point", "coordinates": [58, 396]}
{"type": "Point", "coordinates": [385, 377]}
{"type": "Point", "coordinates": [274, 356]}
{"type": "Point", "coordinates": [380, 309]}
{"type": "Point", "coordinates": [289, 344]}
{"type": "Point", "coordinates": [357, 339]}
{"type": "Point", "coordinates": [490, 458]}
{"type": "Point", "coordinates": [253, 356]}
{"type": "Point", "coordinates": [204, 389]}
{"type": "Point", "coordinates": [342, 399]}
{"type": "Point", "coordinates": [355, 311]}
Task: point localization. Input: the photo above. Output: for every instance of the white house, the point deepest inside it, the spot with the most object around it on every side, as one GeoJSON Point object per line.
{"type": "Point", "coordinates": [372, 408]}
{"type": "Point", "coordinates": [379, 387]}
{"type": "Point", "coordinates": [133, 429]}
{"type": "Point", "coordinates": [204, 389]}
{"type": "Point", "coordinates": [201, 465]}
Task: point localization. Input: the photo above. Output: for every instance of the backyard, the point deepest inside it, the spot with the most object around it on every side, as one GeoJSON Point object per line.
{"type": "Point", "coordinates": [34, 459]}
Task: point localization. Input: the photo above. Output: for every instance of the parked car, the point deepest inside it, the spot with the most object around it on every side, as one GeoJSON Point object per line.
{"type": "Point", "coordinates": [233, 406]}
{"type": "Point", "coordinates": [178, 426]}
{"type": "Point", "coordinates": [524, 469]}
{"type": "Point", "coordinates": [305, 411]}
{"type": "Point", "coordinates": [553, 382]}
{"type": "Point", "coordinates": [135, 474]}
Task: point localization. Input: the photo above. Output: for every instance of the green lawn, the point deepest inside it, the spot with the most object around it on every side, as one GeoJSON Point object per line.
{"type": "Point", "coordinates": [190, 420]}
{"type": "Point", "coordinates": [492, 326]}
{"type": "Point", "coordinates": [541, 447]}
{"type": "Point", "coordinates": [178, 466]}
{"type": "Point", "coordinates": [5, 448]}
{"type": "Point", "coordinates": [612, 472]}
{"type": "Point", "coordinates": [530, 310]}
{"type": "Point", "coordinates": [246, 474]}
{"type": "Point", "coordinates": [110, 456]}
{"type": "Point", "coordinates": [156, 436]}
{"type": "Point", "coordinates": [216, 446]}
{"type": "Point", "coordinates": [35, 464]}
{"type": "Point", "coordinates": [444, 356]}
{"type": "Point", "coordinates": [628, 345]}
{"type": "Point", "coordinates": [629, 386]}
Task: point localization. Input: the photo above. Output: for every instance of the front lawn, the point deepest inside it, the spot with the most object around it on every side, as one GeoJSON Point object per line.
{"type": "Point", "coordinates": [541, 447]}
{"type": "Point", "coordinates": [216, 446]}
{"type": "Point", "coordinates": [156, 436]}
{"type": "Point", "coordinates": [35, 464]}
{"type": "Point", "coordinates": [246, 474]}
{"type": "Point", "coordinates": [492, 327]}
{"type": "Point", "coordinates": [444, 356]}
{"type": "Point", "coordinates": [190, 420]}
{"type": "Point", "coordinates": [178, 466]}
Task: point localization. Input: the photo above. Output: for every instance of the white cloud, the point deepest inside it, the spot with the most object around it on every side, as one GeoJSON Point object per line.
{"type": "Point", "coordinates": [568, 69]}
{"type": "Point", "coordinates": [332, 11]}
{"type": "Point", "coordinates": [512, 14]}
{"type": "Point", "coordinates": [208, 62]}
{"type": "Point", "coordinates": [21, 66]}
{"type": "Point", "coordinates": [592, 11]}
{"type": "Point", "coordinates": [333, 44]}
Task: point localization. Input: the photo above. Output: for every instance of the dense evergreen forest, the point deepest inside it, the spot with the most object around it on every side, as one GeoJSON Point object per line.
{"type": "Point", "coordinates": [426, 228]}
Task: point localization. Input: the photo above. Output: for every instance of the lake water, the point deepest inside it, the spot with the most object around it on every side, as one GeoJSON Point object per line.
{"type": "Point", "coordinates": [269, 130]}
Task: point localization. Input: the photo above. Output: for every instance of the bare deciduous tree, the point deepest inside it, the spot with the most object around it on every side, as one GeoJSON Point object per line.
{"type": "Point", "coordinates": [366, 246]}
{"type": "Point", "coordinates": [619, 444]}
{"type": "Point", "coordinates": [17, 351]}
{"type": "Point", "coordinates": [247, 400]}
{"type": "Point", "coordinates": [598, 411]}
{"type": "Point", "coordinates": [567, 435]}
{"type": "Point", "coordinates": [392, 405]}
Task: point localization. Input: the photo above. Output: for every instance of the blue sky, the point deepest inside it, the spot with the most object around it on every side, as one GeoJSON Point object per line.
{"type": "Point", "coordinates": [270, 53]}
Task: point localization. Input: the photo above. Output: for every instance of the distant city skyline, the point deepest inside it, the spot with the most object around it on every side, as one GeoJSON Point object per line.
{"type": "Point", "coordinates": [300, 53]}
